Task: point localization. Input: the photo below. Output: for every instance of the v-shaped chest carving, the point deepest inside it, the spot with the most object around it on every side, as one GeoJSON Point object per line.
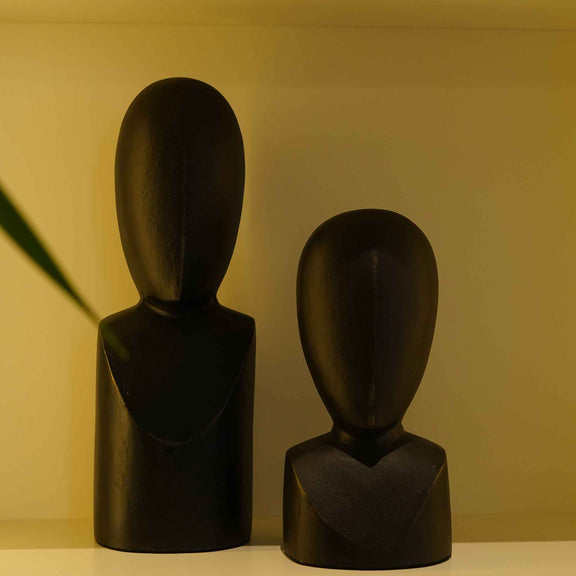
{"type": "Point", "coordinates": [370, 506]}
{"type": "Point", "coordinates": [179, 378]}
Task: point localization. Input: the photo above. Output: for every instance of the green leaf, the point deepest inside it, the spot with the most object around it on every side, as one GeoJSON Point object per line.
{"type": "Point", "coordinates": [15, 225]}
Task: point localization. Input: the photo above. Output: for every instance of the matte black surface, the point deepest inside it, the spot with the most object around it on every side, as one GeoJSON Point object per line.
{"type": "Point", "coordinates": [367, 495]}
{"type": "Point", "coordinates": [173, 462]}
{"type": "Point", "coordinates": [179, 189]}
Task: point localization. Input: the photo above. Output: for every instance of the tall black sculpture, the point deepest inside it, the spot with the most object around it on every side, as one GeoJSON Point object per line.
{"type": "Point", "coordinates": [173, 465]}
{"type": "Point", "coordinates": [367, 495]}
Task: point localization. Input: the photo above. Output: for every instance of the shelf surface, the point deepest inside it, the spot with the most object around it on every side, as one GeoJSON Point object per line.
{"type": "Point", "coordinates": [516, 14]}
{"type": "Point", "coordinates": [67, 548]}
{"type": "Point", "coordinates": [494, 559]}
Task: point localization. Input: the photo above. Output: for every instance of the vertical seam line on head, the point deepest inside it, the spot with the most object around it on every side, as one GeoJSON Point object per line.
{"type": "Point", "coordinates": [183, 230]}
{"type": "Point", "coordinates": [372, 389]}
{"type": "Point", "coordinates": [182, 248]}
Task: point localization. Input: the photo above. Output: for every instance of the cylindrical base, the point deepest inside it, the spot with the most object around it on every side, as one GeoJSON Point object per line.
{"type": "Point", "coordinates": [152, 495]}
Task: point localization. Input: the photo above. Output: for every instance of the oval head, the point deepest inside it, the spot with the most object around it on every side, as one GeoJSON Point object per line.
{"type": "Point", "coordinates": [179, 189]}
{"type": "Point", "coordinates": [367, 298]}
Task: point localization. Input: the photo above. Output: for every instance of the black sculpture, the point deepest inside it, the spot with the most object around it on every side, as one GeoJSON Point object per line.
{"type": "Point", "coordinates": [173, 463]}
{"type": "Point", "coordinates": [367, 495]}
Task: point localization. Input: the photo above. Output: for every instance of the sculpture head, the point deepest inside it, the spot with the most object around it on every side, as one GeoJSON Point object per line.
{"type": "Point", "coordinates": [179, 190]}
{"type": "Point", "coordinates": [367, 298]}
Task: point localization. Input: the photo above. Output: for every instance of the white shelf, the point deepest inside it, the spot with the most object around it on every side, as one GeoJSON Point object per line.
{"type": "Point", "coordinates": [494, 559]}
{"type": "Point", "coordinates": [497, 14]}
{"type": "Point", "coordinates": [66, 548]}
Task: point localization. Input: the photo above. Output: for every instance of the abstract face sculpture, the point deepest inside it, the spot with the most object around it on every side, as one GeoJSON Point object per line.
{"type": "Point", "coordinates": [367, 300]}
{"type": "Point", "coordinates": [179, 190]}
{"type": "Point", "coordinates": [367, 495]}
{"type": "Point", "coordinates": [173, 452]}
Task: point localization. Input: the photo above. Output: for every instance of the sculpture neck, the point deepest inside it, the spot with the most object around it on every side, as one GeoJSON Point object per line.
{"type": "Point", "coordinates": [178, 309]}
{"type": "Point", "coordinates": [367, 446]}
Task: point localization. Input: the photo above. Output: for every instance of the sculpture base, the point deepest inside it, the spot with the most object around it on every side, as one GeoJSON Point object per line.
{"type": "Point", "coordinates": [340, 512]}
{"type": "Point", "coordinates": [156, 490]}
{"type": "Point", "coordinates": [356, 567]}
{"type": "Point", "coordinates": [167, 550]}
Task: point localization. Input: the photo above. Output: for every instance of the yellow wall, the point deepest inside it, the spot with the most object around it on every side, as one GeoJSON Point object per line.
{"type": "Point", "coordinates": [472, 134]}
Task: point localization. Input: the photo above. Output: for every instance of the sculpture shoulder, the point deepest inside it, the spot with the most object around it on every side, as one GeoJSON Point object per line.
{"type": "Point", "coordinates": [133, 322]}
{"type": "Point", "coordinates": [425, 450]}
{"type": "Point", "coordinates": [181, 372]}
{"type": "Point", "coordinates": [410, 447]}
{"type": "Point", "coordinates": [367, 503]}
{"type": "Point", "coordinates": [242, 322]}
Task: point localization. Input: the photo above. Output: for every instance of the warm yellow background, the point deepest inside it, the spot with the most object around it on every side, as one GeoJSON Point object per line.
{"type": "Point", "coordinates": [472, 134]}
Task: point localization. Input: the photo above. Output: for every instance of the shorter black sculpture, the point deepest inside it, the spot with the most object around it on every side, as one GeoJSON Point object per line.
{"type": "Point", "coordinates": [367, 495]}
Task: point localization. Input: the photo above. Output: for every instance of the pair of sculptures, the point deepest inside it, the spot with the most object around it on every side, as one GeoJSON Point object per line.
{"type": "Point", "coordinates": [173, 460]}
